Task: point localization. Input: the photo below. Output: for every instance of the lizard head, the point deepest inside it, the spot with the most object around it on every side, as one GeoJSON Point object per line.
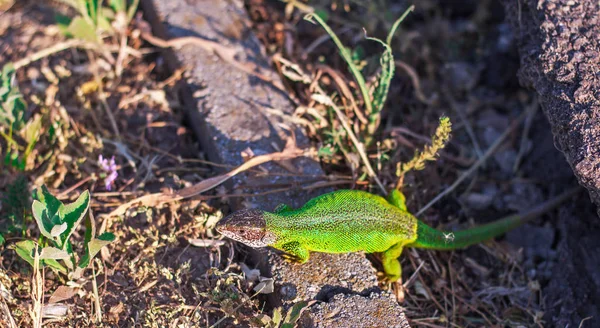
{"type": "Point", "coordinates": [248, 227]}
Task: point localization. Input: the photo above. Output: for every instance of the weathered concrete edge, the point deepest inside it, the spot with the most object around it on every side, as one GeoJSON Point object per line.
{"type": "Point", "coordinates": [199, 126]}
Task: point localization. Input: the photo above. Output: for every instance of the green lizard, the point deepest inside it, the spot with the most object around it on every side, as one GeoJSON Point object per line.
{"type": "Point", "coordinates": [346, 221]}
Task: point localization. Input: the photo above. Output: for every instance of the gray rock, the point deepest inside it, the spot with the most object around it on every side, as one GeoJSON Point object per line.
{"type": "Point", "coordinates": [322, 276]}
{"type": "Point", "coordinates": [558, 43]}
{"type": "Point", "coordinates": [375, 310]}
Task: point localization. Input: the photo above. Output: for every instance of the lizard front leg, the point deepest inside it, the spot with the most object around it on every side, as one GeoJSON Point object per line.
{"type": "Point", "coordinates": [294, 251]}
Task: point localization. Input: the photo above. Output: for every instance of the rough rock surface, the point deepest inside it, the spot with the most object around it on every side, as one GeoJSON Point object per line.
{"type": "Point", "coordinates": [232, 111]}
{"type": "Point", "coordinates": [342, 311]}
{"type": "Point", "coordinates": [559, 44]}
{"type": "Point", "coordinates": [322, 276]}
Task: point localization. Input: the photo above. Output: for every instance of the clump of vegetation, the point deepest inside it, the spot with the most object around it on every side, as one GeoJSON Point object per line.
{"type": "Point", "coordinates": [12, 105]}
{"type": "Point", "coordinates": [291, 318]}
{"type": "Point", "coordinates": [348, 128]}
{"type": "Point", "coordinates": [20, 134]}
{"type": "Point", "coordinates": [95, 20]}
{"type": "Point", "coordinates": [57, 222]}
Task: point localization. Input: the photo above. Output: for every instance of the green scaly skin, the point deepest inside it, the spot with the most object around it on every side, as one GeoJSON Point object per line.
{"type": "Point", "coordinates": [347, 221]}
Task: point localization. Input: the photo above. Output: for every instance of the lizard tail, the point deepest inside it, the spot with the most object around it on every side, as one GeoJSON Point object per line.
{"type": "Point", "coordinates": [428, 237]}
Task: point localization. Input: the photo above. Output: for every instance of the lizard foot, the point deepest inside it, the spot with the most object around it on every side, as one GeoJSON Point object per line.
{"type": "Point", "coordinates": [393, 285]}
{"type": "Point", "coordinates": [291, 258]}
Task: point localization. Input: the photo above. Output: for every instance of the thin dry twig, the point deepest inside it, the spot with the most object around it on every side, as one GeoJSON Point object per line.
{"type": "Point", "coordinates": [225, 53]}
{"type": "Point", "coordinates": [290, 151]}
{"type": "Point", "coordinates": [463, 117]}
{"type": "Point", "coordinates": [531, 110]}
{"type": "Point", "coordinates": [414, 77]}
{"type": "Point", "coordinates": [74, 43]}
{"type": "Point", "coordinates": [475, 166]}
{"type": "Point", "coordinates": [7, 313]}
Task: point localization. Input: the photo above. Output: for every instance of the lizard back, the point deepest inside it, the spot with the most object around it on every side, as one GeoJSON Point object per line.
{"type": "Point", "coordinates": [345, 221]}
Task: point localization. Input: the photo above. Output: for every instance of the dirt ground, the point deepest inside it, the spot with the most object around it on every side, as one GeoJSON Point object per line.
{"type": "Point", "coordinates": [167, 266]}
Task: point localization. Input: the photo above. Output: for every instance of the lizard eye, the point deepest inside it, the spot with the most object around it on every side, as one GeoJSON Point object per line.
{"type": "Point", "coordinates": [242, 231]}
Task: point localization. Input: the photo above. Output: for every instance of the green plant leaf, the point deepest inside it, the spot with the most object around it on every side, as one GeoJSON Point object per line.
{"type": "Point", "coordinates": [83, 29]}
{"type": "Point", "coordinates": [50, 202]}
{"type": "Point", "coordinates": [53, 253]}
{"type": "Point", "coordinates": [92, 7]}
{"type": "Point", "coordinates": [44, 223]}
{"type": "Point", "coordinates": [55, 265]}
{"type": "Point", "coordinates": [12, 105]}
{"type": "Point", "coordinates": [323, 14]}
{"type": "Point", "coordinates": [72, 214]}
{"type": "Point", "coordinates": [347, 56]}
{"type": "Point", "coordinates": [294, 313]}
{"type": "Point", "coordinates": [1, 240]}
{"type": "Point", "coordinates": [277, 317]}
{"type": "Point", "coordinates": [58, 229]}
{"type": "Point", "coordinates": [118, 5]}
{"type": "Point", "coordinates": [25, 249]}
{"type": "Point", "coordinates": [387, 65]}
{"type": "Point", "coordinates": [104, 20]}
{"type": "Point", "coordinates": [32, 130]}
{"type": "Point", "coordinates": [94, 246]}
{"type": "Point", "coordinates": [132, 9]}
{"type": "Point", "coordinates": [63, 22]}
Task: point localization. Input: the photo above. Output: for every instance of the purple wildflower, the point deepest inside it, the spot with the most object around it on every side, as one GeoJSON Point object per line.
{"type": "Point", "coordinates": [111, 169]}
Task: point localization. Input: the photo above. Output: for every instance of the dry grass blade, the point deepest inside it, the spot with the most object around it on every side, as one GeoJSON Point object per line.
{"type": "Point", "coordinates": [357, 144]}
{"type": "Point", "coordinates": [37, 291]}
{"type": "Point", "coordinates": [52, 50]}
{"type": "Point", "coordinates": [7, 314]}
{"type": "Point", "coordinates": [290, 151]}
{"type": "Point", "coordinates": [97, 306]}
{"type": "Point", "coordinates": [463, 117]}
{"type": "Point", "coordinates": [414, 77]}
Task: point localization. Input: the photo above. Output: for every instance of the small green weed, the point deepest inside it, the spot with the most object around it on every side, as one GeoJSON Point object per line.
{"type": "Point", "coordinates": [373, 101]}
{"type": "Point", "coordinates": [12, 106]}
{"type": "Point", "coordinates": [20, 134]}
{"type": "Point", "coordinates": [348, 120]}
{"type": "Point", "coordinates": [95, 20]}
{"type": "Point", "coordinates": [291, 318]}
{"type": "Point", "coordinates": [57, 222]}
